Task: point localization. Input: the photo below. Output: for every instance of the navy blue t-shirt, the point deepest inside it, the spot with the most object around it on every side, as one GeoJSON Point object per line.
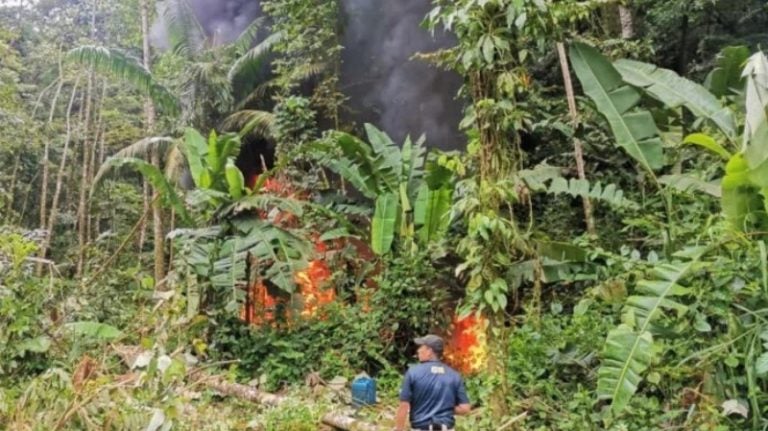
{"type": "Point", "coordinates": [433, 389]}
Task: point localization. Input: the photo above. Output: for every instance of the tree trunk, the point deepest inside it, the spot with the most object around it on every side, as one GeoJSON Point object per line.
{"type": "Point", "coordinates": [578, 149]}
{"type": "Point", "coordinates": [244, 392]}
{"type": "Point", "coordinates": [59, 179]}
{"type": "Point", "coordinates": [627, 22]}
{"type": "Point", "coordinates": [82, 204]}
{"type": "Point", "coordinates": [149, 112]}
{"type": "Point", "coordinates": [144, 209]}
{"type": "Point", "coordinates": [85, 186]}
{"type": "Point", "coordinates": [97, 147]}
{"type": "Point", "coordinates": [347, 423]}
{"type": "Point", "coordinates": [682, 53]}
{"type": "Point", "coordinates": [12, 188]}
{"type": "Point", "coordinates": [46, 154]}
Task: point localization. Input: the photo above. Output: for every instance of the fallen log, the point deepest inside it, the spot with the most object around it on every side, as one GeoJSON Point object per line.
{"type": "Point", "coordinates": [244, 392]}
{"type": "Point", "coordinates": [347, 423]}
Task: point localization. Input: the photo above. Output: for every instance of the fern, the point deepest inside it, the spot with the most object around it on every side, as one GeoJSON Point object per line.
{"type": "Point", "coordinates": [582, 188]}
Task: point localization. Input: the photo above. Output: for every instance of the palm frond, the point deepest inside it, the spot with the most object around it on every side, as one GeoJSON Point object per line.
{"type": "Point", "coordinates": [259, 93]}
{"type": "Point", "coordinates": [184, 29]}
{"type": "Point", "coordinates": [175, 164]}
{"type": "Point", "coordinates": [127, 69]}
{"type": "Point", "coordinates": [252, 59]}
{"type": "Point", "coordinates": [246, 38]}
{"type": "Point", "coordinates": [308, 71]}
{"type": "Point", "coordinates": [251, 121]}
{"type": "Point", "coordinates": [139, 149]}
{"type": "Point", "coordinates": [208, 82]}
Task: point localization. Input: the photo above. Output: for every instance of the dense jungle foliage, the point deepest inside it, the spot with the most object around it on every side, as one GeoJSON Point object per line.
{"type": "Point", "coordinates": [605, 218]}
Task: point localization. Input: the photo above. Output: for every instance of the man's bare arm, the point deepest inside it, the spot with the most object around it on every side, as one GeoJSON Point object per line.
{"type": "Point", "coordinates": [401, 417]}
{"type": "Point", "coordinates": [462, 409]}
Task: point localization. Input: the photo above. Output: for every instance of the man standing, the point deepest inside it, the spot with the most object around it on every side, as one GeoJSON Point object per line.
{"type": "Point", "coordinates": [432, 391]}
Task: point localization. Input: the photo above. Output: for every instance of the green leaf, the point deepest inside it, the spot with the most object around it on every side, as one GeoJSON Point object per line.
{"type": "Point", "coordinates": [384, 222]}
{"type": "Point", "coordinates": [756, 156]}
{"type": "Point", "coordinates": [431, 213]}
{"type": "Point", "coordinates": [674, 91]}
{"type": "Point", "coordinates": [35, 345]}
{"type": "Point", "coordinates": [634, 129]}
{"type": "Point", "coordinates": [355, 164]}
{"type": "Point", "coordinates": [582, 188]}
{"type": "Point", "coordinates": [756, 73]}
{"type": "Point", "coordinates": [96, 330]}
{"type": "Point", "coordinates": [195, 150]}
{"type": "Point", "coordinates": [761, 365]}
{"type": "Point", "coordinates": [626, 356]}
{"type": "Point", "coordinates": [742, 204]}
{"type": "Point", "coordinates": [708, 143]}
{"type": "Point", "coordinates": [488, 49]}
{"type": "Point", "coordinates": [726, 76]}
{"type": "Point", "coordinates": [628, 348]}
{"type": "Point", "coordinates": [235, 180]}
{"type": "Point", "coordinates": [687, 183]}
{"type": "Point", "coordinates": [254, 58]}
{"type": "Point", "coordinates": [389, 161]}
{"type": "Point", "coordinates": [413, 156]}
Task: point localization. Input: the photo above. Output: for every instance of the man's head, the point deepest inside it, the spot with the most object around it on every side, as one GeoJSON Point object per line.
{"type": "Point", "coordinates": [430, 347]}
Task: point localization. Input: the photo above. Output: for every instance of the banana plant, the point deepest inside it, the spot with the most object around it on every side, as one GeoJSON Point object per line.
{"type": "Point", "coordinates": [629, 348]}
{"type": "Point", "coordinates": [412, 194]}
{"type": "Point", "coordinates": [634, 128]}
{"type": "Point", "coordinates": [212, 162]}
{"type": "Point", "coordinates": [743, 189]}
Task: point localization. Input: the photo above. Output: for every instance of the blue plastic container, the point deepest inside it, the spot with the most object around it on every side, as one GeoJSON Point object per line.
{"type": "Point", "coordinates": [363, 392]}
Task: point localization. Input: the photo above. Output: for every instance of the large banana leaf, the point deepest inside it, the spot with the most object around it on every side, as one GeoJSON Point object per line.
{"type": "Point", "coordinates": [431, 214]}
{"type": "Point", "coordinates": [635, 130]}
{"type": "Point", "coordinates": [195, 150]}
{"type": "Point", "coordinates": [235, 180]}
{"type": "Point", "coordinates": [674, 91]}
{"type": "Point", "coordinates": [756, 156]}
{"type": "Point", "coordinates": [413, 155]}
{"type": "Point", "coordinates": [628, 348]}
{"type": "Point", "coordinates": [756, 73]}
{"type": "Point", "coordinates": [626, 355]}
{"type": "Point", "coordinates": [726, 76]}
{"type": "Point", "coordinates": [389, 159]}
{"type": "Point", "coordinates": [384, 222]}
{"type": "Point", "coordinates": [279, 253]}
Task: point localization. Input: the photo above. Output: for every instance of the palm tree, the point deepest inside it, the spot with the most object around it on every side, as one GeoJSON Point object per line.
{"type": "Point", "coordinates": [204, 95]}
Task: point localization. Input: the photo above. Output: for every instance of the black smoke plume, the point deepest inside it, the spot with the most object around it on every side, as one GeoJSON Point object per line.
{"type": "Point", "coordinates": [384, 84]}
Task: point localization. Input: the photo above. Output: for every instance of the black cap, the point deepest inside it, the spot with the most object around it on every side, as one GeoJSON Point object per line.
{"type": "Point", "coordinates": [432, 341]}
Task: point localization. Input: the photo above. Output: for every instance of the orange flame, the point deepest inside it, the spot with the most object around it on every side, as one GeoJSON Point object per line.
{"type": "Point", "coordinates": [467, 349]}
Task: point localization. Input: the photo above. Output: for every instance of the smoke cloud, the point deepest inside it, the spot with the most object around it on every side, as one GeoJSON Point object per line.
{"type": "Point", "coordinates": [384, 85]}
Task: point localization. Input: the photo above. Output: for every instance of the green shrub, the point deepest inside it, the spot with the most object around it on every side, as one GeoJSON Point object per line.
{"type": "Point", "coordinates": [350, 338]}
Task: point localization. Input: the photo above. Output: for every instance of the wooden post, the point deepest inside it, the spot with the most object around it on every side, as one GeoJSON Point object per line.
{"type": "Point", "coordinates": [578, 149]}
